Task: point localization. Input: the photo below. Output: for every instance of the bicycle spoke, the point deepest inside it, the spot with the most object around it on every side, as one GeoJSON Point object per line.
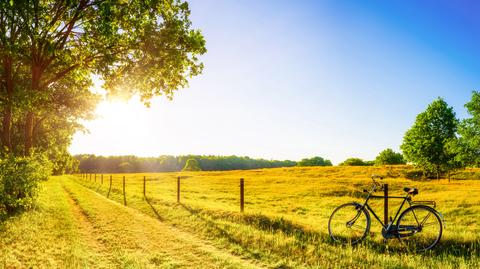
{"type": "Point", "coordinates": [415, 216]}
{"type": "Point", "coordinates": [426, 218]}
{"type": "Point", "coordinates": [348, 224]}
{"type": "Point", "coordinates": [424, 234]}
{"type": "Point", "coordinates": [359, 227]}
{"type": "Point", "coordinates": [430, 224]}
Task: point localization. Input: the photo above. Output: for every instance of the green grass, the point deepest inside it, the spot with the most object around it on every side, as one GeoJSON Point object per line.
{"type": "Point", "coordinates": [284, 224]}
{"type": "Point", "coordinates": [74, 227]}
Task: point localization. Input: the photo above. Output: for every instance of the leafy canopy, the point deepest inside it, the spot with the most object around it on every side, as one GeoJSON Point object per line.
{"type": "Point", "coordinates": [49, 50]}
{"type": "Point", "coordinates": [467, 146]}
{"type": "Point", "coordinates": [425, 143]}
{"type": "Point", "coordinates": [192, 165]}
{"type": "Point", "coordinates": [315, 161]}
{"type": "Point", "coordinates": [388, 156]}
{"type": "Point", "coordinates": [354, 162]}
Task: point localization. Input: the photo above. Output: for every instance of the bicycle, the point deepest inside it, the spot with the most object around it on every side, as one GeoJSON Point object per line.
{"type": "Point", "coordinates": [419, 227]}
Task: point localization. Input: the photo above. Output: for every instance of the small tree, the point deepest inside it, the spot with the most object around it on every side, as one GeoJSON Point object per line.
{"type": "Point", "coordinates": [353, 162]}
{"type": "Point", "coordinates": [125, 167]}
{"type": "Point", "coordinates": [426, 143]}
{"type": "Point", "coordinates": [192, 165]}
{"type": "Point", "coordinates": [315, 161]}
{"type": "Point", "coordinates": [388, 156]}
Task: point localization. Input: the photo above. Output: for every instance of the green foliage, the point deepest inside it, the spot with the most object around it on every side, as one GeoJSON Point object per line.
{"type": "Point", "coordinates": [415, 174]}
{"type": "Point", "coordinates": [467, 146]}
{"type": "Point", "coordinates": [49, 50]}
{"type": "Point", "coordinates": [388, 156]}
{"type": "Point", "coordinates": [125, 167]}
{"type": "Point", "coordinates": [426, 144]}
{"type": "Point", "coordinates": [19, 181]}
{"type": "Point", "coordinates": [315, 161]}
{"type": "Point", "coordinates": [111, 164]}
{"type": "Point", "coordinates": [192, 165]}
{"type": "Point", "coordinates": [355, 162]}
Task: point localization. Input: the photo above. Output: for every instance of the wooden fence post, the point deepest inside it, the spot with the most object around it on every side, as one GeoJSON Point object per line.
{"type": "Point", "coordinates": [110, 188]}
{"type": "Point", "coordinates": [102, 178]}
{"type": "Point", "coordinates": [124, 198]}
{"type": "Point", "coordinates": [385, 204]}
{"type": "Point", "coordinates": [90, 177]}
{"type": "Point", "coordinates": [95, 178]}
{"type": "Point", "coordinates": [242, 196]}
{"type": "Point", "coordinates": [178, 189]}
{"type": "Point", "coordinates": [144, 185]}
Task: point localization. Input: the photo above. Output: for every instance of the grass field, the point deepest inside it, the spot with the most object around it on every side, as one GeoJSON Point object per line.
{"type": "Point", "coordinates": [284, 224]}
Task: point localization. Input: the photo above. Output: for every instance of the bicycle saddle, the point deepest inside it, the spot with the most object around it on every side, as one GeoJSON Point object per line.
{"type": "Point", "coordinates": [412, 191]}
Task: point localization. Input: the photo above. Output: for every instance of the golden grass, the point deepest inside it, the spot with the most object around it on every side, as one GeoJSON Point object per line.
{"type": "Point", "coordinates": [74, 227]}
{"type": "Point", "coordinates": [287, 210]}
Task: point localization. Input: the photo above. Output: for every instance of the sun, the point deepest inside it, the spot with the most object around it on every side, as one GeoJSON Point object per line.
{"type": "Point", "coordinates": [120, 128]}
{"type": "Point", "coordinates": [114, 110]}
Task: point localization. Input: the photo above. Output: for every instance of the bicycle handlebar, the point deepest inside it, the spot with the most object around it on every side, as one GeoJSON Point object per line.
{"type": "Point", "coordinates": [376, 186]}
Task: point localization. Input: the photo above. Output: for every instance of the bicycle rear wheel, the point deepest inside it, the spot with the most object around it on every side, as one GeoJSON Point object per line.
{"type": "Point", "coordinates": [419, 228]}
{"type": "Point", "coordinates": [349, 224]}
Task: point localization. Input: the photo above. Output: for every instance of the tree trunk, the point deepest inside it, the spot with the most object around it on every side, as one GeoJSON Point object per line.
{"type": "Point", "coordinates": [7, 112]}
{"type": "Point", "coordinates": [28, 143]}
{"type": "Point", "coordinates": [35, 86]}
{"type": "Point", "coordinates": [7, 120]}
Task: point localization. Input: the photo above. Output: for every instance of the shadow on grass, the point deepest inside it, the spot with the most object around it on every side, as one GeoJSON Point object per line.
{"type": "Point", "coordinates": [17, 213]}
{"type": "Point", "coordinates": [446, 247]}
{"type": "Point", "coordinates": [267, 224]}
{"type": "Point", "coordinates": [159, 217]}
{"type": "Point", "coordinates": [456, 248]}
{"type": "Point", "coordinates": [304, 236]}
{"type": "Point", "coordinates": [249, 249]}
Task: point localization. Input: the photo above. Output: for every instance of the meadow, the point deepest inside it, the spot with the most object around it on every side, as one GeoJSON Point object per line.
{"type": "Point", "coordinates": [284, 224]}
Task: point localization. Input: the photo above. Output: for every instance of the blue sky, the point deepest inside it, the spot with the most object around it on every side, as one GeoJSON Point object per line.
{"type": "Point", "coordinates": [295, 79]}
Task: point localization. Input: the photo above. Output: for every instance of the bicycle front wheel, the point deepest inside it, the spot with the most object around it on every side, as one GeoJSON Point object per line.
{"type": "Point", "coordinates": [349, 224]}
{"type": "Point", "coordinates": [419, 228]}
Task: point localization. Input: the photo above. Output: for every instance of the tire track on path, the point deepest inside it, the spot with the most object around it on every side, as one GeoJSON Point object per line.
{"type": "Point", "coordinates": [88, 234]}
{"type": "Point", "coordinates": [146, 240]}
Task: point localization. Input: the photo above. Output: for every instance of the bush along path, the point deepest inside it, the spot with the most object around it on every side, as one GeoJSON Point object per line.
{"type": "Point", "coordinates": [74, 227]}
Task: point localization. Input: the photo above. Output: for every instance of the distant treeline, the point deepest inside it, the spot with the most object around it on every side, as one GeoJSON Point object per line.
{"type": "Point", "coordinates": [133, 164]}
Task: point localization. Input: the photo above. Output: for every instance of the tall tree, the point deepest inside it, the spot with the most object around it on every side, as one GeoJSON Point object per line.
{"type": "Point", "coordinates": [49, 47]}
{"type": "Point", "coordinates": [467, 146]}
{"type": "Point", "coordinates": [426, 143]}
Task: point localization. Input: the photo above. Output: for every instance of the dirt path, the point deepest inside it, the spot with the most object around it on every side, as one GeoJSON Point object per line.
{"type": "Point", "coordinates": [89, 236]}
{"type": "Point", "coordinates": [140, 240]}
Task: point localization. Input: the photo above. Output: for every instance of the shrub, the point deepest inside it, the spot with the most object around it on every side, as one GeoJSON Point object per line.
{"type": "Point", "coordinates": [389, 156]}
{"type": "Point", "coordinates": [19, 181]}
{"type": "Point", "coordinates": [353, 162]}
{"type": "Point", "coordinates": [416, 174]}
{"type": "Point", "coordinates": [192, 165]}
{"type": "Point", "coordinates": [315, 161]}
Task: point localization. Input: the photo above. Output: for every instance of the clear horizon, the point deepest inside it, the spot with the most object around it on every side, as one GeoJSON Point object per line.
{"type": "Point", "coordinates": [281, 81]}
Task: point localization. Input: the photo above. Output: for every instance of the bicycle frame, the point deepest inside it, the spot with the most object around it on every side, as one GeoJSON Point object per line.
{"type": "Point", "coordinates": [406, 223]}
{"type": "Point", "coordinates": [387, 226]}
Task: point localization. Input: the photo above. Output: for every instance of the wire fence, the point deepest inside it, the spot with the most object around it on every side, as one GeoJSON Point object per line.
{"type": "Point", "coordinates": [170, 188]}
